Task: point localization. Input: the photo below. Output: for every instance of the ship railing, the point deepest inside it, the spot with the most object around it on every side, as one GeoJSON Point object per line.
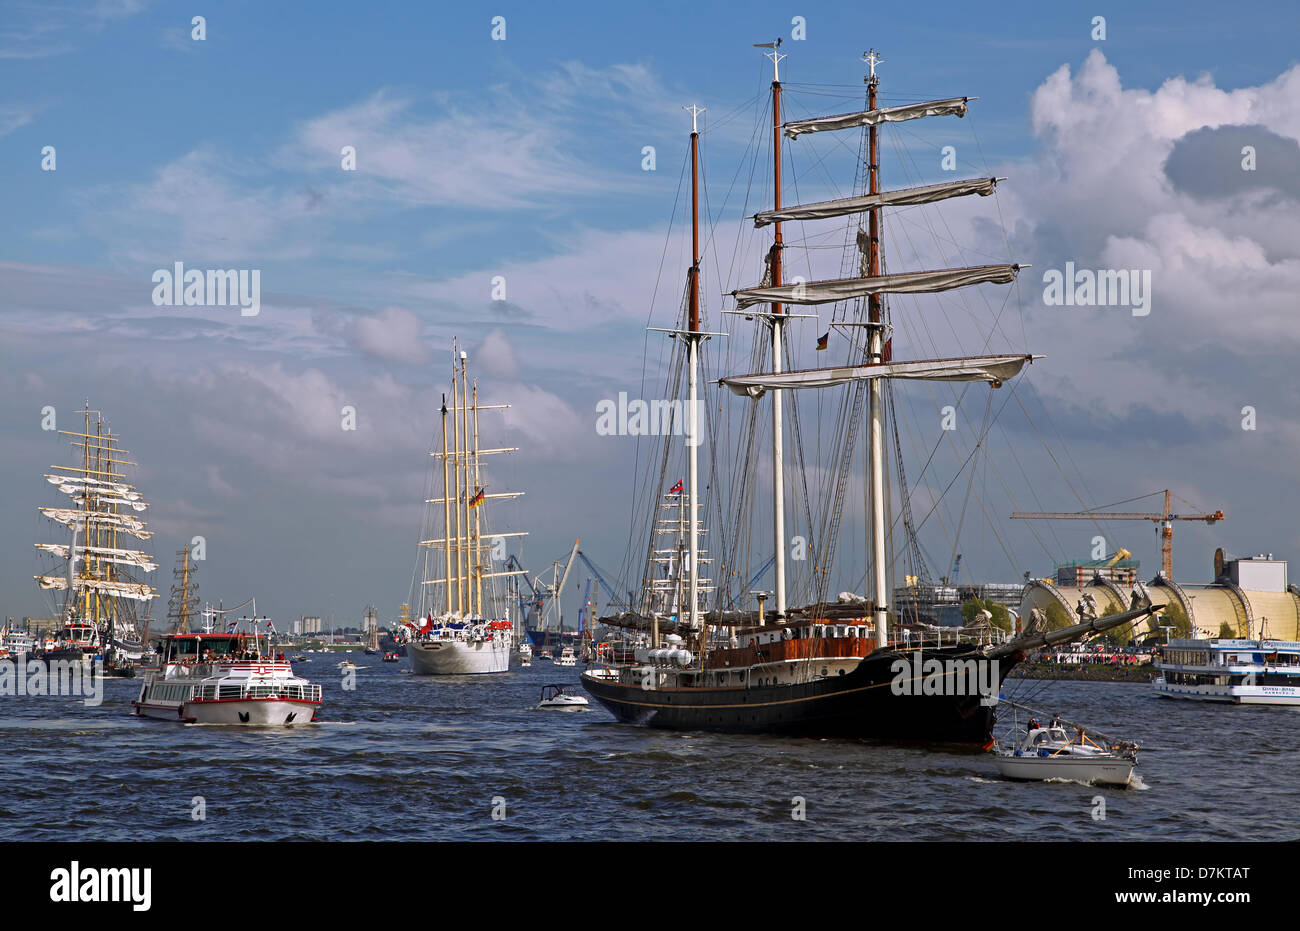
{"type": "Point", "coordinates": [229, 692]}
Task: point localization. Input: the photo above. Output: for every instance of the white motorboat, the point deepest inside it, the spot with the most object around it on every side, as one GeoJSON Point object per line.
{"type": "Point", "coordinates": [1051, 753]}
{"type": "Point", "coordinates": [567, 657]}
{"type": "Point", "coordinates": [211, 678]}
{"type": "Point", "coordinates": [558, 698]}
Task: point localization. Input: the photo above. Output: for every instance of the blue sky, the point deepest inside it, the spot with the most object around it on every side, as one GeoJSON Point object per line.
{"type": "Point", "coordinates": [523, 158]}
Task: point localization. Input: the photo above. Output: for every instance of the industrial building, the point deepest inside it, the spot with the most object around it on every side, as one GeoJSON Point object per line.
{"type": "Point", "coordinates": [1251, 595]}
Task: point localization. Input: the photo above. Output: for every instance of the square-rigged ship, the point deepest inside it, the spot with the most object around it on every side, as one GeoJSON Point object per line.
{"type": "Point", "coordinates": [827, 669]}
{"type": "Point", "coordinates": [458, 633]}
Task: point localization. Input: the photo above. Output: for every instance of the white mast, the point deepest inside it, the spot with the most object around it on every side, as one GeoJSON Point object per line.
{"type": "Point", "coordinates": [876, 396]}
{"type": "Point", "coordinates": [778, 325]}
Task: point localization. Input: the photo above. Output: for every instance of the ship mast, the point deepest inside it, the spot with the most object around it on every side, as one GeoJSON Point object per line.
{"type": "Point", "coordinates": [875, 354]}
{"type": "Point", "coordinates": [693, 364]}
{"type": "Point", "coordinates": [870, 283]}
{"type": "Point", "coordinates": [455, 481]}
{"type": "Point", "coordinates": [446, 518]}
{"type": "Point", "coordinates": [778, 322]}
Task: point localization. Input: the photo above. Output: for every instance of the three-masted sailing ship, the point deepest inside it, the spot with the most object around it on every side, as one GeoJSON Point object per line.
{"type": "Point", "coordinates": [460, 631]}
{"type": "Point", "coordinates": [102, 577]}
{"type": "Point", "coordinates": [825, 669]}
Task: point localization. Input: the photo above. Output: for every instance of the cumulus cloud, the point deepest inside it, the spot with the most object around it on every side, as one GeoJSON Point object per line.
{"type": "Point", "coordinates": [393, 333]}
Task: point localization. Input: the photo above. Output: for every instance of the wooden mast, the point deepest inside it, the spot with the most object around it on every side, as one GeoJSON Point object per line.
{"type": "Point", "coordinates": [875, 350]}
{"type": "Point", "coordinates": [446, 518]}
{"type": "Point", "coordinates": [778, 324]}
{"type": "Point", "coordinates": [463, 507]}
{"type": "Point", "coordinates": [455, 478]}
{"type": "Point", "coordinates": [476, 552]}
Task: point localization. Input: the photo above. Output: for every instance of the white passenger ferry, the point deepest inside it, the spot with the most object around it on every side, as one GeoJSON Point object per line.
{"type": "Point", "coordinates": [211, 678]}
{"type": "Point", "coordinates": [1244, 672]}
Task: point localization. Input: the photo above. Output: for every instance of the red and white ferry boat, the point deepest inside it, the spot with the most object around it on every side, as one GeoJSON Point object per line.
{"type": "Point", "coordinates": [213, 678]}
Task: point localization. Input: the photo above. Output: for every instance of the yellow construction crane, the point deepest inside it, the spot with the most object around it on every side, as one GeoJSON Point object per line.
{"type": "Point", "coordinates": [1164, 525]}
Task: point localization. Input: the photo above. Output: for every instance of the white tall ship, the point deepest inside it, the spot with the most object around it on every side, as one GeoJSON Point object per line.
{"type": "Point", "coordinates": [1241, 672]}
{"type": "Point", "coordinates": [460, 629]}
{"type": "Point", "coordinates": [98, 572]}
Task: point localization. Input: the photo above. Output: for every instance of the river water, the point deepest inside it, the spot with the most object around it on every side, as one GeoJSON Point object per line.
{"type": "Point", "coordinates": [401, 757]}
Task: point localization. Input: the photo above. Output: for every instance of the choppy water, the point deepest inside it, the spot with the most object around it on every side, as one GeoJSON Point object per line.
{"type": "Point", "coordinates": [415, 758]}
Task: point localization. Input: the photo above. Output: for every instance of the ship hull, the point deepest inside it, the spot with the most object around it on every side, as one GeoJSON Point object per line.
{"type": "Point", "coordinates": [458, 657]}
{"type": "Point", "coordinates": [861, 704]}
{"type": "Point", "coordinates": [258, 712]}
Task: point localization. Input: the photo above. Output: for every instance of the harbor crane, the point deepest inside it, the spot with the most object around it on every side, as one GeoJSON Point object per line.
{"type": "Point", "coordinates": [1164, 524]}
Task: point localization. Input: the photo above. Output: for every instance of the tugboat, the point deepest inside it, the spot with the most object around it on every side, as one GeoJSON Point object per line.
{"type": "Point", "coordinates": [214, 678]}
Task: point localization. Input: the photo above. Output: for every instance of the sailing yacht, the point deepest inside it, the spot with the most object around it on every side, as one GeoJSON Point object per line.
{"type": "Point", "coordinates": [100, 578]}
{"type": "Point", "coordinates": [457, 635]}
{"type": "Point", "coordinates": [825, 669]}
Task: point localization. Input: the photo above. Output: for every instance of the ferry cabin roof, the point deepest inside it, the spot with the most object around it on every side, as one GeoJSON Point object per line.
{"type": "Point", "coordinates": [195, 645]}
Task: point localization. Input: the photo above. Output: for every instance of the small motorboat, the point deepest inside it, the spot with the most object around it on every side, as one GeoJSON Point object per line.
{"type": "Point", "coordinates": [1052, 753]}
{"type": "Point", "coordinates": [567, 657]}
{"type": "Point", "coordinates": [392, 657]}
{"type": "Point", "coordinates": [347, 664]}
{"type": "Point", "coordinates": [299, 658]}
{"type": "Point", "coordinates": [544, 654]}
{"type": "Point", "coordinates": [558, 698]}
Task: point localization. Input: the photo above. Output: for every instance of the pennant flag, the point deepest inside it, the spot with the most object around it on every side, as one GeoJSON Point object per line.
{"type": "Point", "coordinates": [823, 340]}
{"type": "Point", "coordinates": [230, 627]}
{"type": "Point", "coordinates": [478, 498]}
{"type": "Point", "coordinates": [270, 624]}
{"type": "Point", "coordinates": [676, 489]}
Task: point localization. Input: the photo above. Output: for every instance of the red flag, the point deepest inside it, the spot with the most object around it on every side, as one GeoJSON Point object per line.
{"type": "Point", "coordinates": [676, 488]}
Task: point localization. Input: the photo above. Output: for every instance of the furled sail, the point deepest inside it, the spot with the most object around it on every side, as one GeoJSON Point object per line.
{"type": "Point", "coordinates": [136, 591]}
{"type": "Point", "coordinates": [902, 198]}
{"type": "Point", "coordinates": [123, 522]}
{"type": "Point", "coordinates": [93, 484]}
{"type": "Point", "coordinates": [826, 292]}
{"type": "Point", "coordinates": [104, 554]}
{"type": "Point", "coordinates": [992, 369]}
{"type": "Point", "coordinates": [953, 106]}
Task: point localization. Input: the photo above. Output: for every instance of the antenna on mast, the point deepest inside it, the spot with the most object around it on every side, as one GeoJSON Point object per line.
{"type": "Point", "coordinates": [695, 116]}
{"type": "Point", "coordinates": [872, 59]}
{"type": "Point", "coordinates": [774, 55]}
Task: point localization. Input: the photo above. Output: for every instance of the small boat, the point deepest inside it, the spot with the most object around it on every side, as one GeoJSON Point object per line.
{"type": "Point", "coordinates": [567, 657]}
{"type": "Point", "coordinates": [347, 664]}
{"type": "Point", "coordinates": [544, 654]}
{"type": "Point", "coordinates": [1051, 753]}
{"type": "Point", "coordinates": [558, 698]}
{"type": "Point", "coordinates": [299, 658]}
{"type": "Point", "coordinates": [392, 657]}
{"type": "Point", "coordinates": [525, 653]}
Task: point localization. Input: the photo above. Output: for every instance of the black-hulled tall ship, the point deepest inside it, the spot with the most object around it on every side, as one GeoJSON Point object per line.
{"type": "Point", "coordinates": [830, 668]}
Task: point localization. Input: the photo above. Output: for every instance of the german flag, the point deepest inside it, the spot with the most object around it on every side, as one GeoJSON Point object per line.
{"type": "Point", "coordinates": [823, 340]}
{"type": "Point", "coordinates": [478, 498]}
